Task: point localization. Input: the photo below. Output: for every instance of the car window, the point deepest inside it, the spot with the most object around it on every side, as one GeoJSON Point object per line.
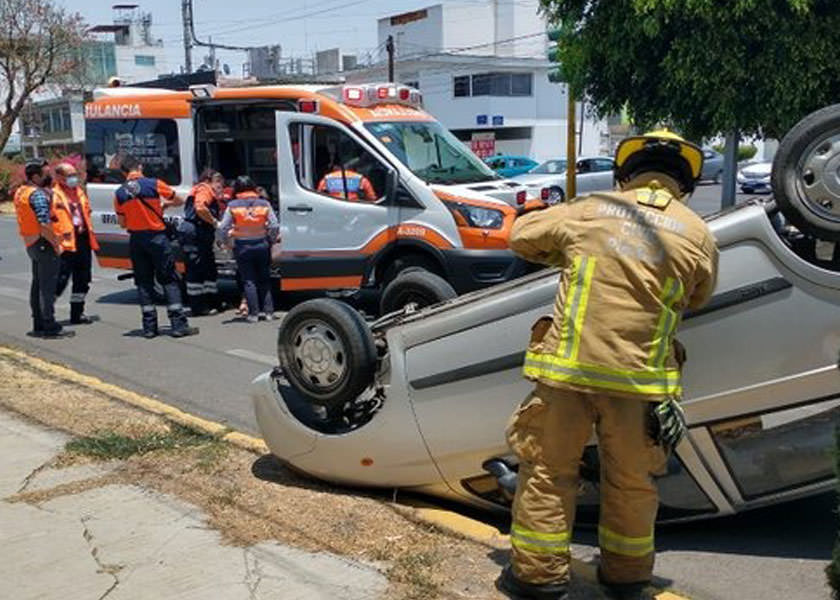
{"type": "Point", "coordinates": [496, 163]}
{"type": "Point", "coordinates": [602, 164]}
{"type": "Point", "coordinates": [583, 166]}
{"type": "Point", "coordinates": [551, 166]}
{"type": "Point", "coordinates": [341, 167]}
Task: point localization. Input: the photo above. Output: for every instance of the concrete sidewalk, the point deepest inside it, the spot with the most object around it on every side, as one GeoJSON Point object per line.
{"type": "Point", "coordinates": [126, 542]}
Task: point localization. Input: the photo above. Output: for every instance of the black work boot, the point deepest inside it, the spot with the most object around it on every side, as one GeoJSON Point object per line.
{"type": "Point", "coordinates": [521, 590]}
{"type": "Point", "coordinates": [77, 314]}
{"type": "Point", "coordinates": [150, 322]}
{"type": "Point", "coordinates": [184, 331]}
{"type": "Point", "coordinates": [636, 590]}
{"type": "Point", "coordinates": [57, 332]}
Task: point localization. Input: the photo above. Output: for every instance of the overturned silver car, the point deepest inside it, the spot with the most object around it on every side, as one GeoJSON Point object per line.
{"type": "Point", "coordinates": [421, 399]}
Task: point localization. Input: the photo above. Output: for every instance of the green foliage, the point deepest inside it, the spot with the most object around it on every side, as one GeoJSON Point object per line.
{"type": "Point", "coordinates": [833, 568]}
{"type": "Point", "coordinates": [107, 445]}
{"type": "Point", "coordinates": [704, 66]}
{"type": "Point", "coordinates": [745, 151]}
{"type": "Point", "coordinates": [11, 176]}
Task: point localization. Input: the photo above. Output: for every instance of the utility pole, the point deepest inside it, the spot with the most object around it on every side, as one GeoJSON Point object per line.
{"type": "Point", "coordinates": [187, 18]}
{"type": "Point", "coordinates": [730, 166]}
{"type": "Point", "coordinates": [389, 47]}
{"type": "Point", "coordinates": [571, 149]}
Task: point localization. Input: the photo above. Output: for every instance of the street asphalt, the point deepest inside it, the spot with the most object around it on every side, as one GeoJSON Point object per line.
{"type": "Point", "coordinates": [777, 552]}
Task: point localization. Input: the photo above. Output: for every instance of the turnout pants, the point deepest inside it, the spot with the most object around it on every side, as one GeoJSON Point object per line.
{"type": "Point", "coordinates": [77, 265]}
{"type": "Point", "coordinates": [197, 242]}
{"type": "Point", "coordinates": [46, 265]}
{"type": "Point", "coordinates": [253, 261]}
{"type": "Point", "coordinates": [548, 433]}
{"type": "Point", "coordinates": [152, 257]}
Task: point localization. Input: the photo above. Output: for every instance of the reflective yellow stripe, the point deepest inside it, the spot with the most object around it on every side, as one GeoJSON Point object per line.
{"type": "Point", "coordinates": [574, 311]}
{"type": "Point", "coordinates": [518, 530]}
{"type": "Point", "coordinates": [620, 544]}
{"type": "Point", "coordinates": [588, 268]}
{"type": "Point", "coordinates": [567, 330]}
{"type": "Point", "coordinates": [536, 541]}
{"type": "Point", "coordinates": [646, 382]}
{"type": "Point", "coordinates": [672, 292]}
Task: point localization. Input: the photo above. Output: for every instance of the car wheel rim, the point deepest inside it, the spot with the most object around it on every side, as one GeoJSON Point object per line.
{"type": "Point", "coordinates": [319, 354]}
{"type": "Point", "coordinates": [555, 195]}
{"type": "Point", "coordinates": [818, 176]}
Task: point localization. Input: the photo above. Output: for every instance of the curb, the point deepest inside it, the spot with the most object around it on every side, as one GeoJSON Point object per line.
{"type": "Point", "coordinates": [236, 438]}
{"type": "Point", "coordinates": [442, 519]}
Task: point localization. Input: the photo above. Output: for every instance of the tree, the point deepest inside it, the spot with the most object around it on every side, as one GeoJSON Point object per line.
{"type": "Point", "coordinates": [40, 44]}
{"type": "Point", "coordinates": [704, 66]}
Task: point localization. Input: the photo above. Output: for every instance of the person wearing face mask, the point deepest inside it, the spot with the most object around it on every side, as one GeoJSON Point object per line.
{"type": "Point", "coordinates": [76, 262]}
{"type": "Point", "coordinates": [46, 232]}
{"type": "Point", "coordinates": [196, 234]}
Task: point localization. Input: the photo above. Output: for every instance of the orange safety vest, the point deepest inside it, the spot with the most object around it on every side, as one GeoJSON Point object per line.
{"type": "Point", "coordinates": [30, 228]}
{"type": "Point", "coordinates": [249, 220]}
{"type": "Point", "coordinates": [64, 206]}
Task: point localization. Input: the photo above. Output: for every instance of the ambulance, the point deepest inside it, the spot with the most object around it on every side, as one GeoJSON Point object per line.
{"type": "Point", "coordinates": [437, 227]}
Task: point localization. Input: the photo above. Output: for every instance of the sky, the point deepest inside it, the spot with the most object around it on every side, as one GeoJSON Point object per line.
{"type": "Point", "coordinates": [301, 27]}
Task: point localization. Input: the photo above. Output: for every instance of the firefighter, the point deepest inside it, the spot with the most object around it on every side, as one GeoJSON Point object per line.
{"type": "Point", "coordinates": [347, 184]}
{"type": "Point", "coordinates": [139, 204]}
{"type": "Point", "coordinates": [46, 232]}
{"type": "Point", "coordinates": [197, 233]}
{"type": "Point", "coordinates": [632, 261]}
{"type": "Point", "coordinates": [69, 195]}
{"type": "Point", "coordinates": [250, 221]}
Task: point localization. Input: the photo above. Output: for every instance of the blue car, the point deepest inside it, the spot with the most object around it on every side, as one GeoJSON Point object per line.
{"type": "Point", "coordinates": [510, 166]}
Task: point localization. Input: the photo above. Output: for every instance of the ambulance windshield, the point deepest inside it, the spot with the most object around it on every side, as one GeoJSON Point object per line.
{"type": "Point", "coordinates": [431, 152]}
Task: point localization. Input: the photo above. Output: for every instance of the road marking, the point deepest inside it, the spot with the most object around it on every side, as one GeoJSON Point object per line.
{"type": "Point", "coordinates": [254, 356]}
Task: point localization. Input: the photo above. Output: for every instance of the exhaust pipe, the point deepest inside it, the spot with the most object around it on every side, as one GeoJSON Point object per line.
{"type": "Point", "coordinates": [505, 476]}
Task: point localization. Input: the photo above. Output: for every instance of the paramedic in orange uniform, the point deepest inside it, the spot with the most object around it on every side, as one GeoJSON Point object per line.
{"type": "Point", "coordinates": [139, 204]}
{"type": "Point", "coordinates": [250, 221]}
{"type": "Point", "coordinates": [197, 233]}
{"type": "Point", "coordinates": [347, 184]}
{"type": "Point", "coordinates": [78, 262]}
{"type": "Point", "coordinates": [47, 232]}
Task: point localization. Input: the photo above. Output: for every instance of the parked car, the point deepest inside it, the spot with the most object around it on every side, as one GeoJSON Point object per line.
{"type": "Point", "coordinates": [593, 173]}
{"type": "Point", "coordinates": [420, 399]}
{"type": "Point", "coordinates": [712, 166]}
{"type": "Point", "coordinates": [755, 177]}
{"type": "Point", "coordinates": [509, 166]}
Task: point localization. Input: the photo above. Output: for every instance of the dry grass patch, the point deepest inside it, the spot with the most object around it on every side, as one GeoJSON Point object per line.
{"type": "Point", "coordinates": [248, 499]}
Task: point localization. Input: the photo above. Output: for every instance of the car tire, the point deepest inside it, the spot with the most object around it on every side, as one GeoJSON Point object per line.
{"type": "Point", "coordinates": [558, 192]}
{"type": "Point", "coordinates": [416, 286]}
{"type": "Point", "coordinates": [718, 178]}
{"type": "Point", "coordinates": [327, 352]}
{"type": "Point", "coordinates": [805, 177]}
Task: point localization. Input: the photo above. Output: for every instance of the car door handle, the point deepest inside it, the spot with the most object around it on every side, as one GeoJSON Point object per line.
{"type": "Point", "coordinates": [300, 208]}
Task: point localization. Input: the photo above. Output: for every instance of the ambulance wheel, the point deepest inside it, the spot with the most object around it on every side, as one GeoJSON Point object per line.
{"type": "Point", "coordinates": [806, 174]}
{"type": "Point", "coordinates": [418, 287]}
{"type": "Point", "coordinates": [327, 352]}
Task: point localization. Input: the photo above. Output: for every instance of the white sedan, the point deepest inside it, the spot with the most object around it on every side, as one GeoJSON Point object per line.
{"type": "Point", "coordinates": [755, 178]}
{"type": "Point", "coordinates": [548, 180]}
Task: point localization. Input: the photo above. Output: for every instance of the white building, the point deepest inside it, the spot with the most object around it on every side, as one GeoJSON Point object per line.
{"type": "Point", "coordinates": [137, 56]}
{"type": "Point", "coordinates": [483, 73]}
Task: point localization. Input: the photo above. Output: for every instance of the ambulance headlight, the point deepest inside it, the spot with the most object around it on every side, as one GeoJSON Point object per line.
{"type": "Point", "coordinates": [476, 216]}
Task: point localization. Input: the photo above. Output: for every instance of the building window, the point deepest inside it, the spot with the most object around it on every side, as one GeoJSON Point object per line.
{"type": "Point", "coordinates": [143, 60]}
{"type": "Point", "coordinates": [66, 121]}
{"type": "Point", "coordinates": [495, 84]}
{"type": "Point", "coordinates": [461, 86]}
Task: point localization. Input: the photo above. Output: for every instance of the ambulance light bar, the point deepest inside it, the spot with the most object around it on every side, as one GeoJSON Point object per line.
{"type": "Point", "coordinates": [369, 94]}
